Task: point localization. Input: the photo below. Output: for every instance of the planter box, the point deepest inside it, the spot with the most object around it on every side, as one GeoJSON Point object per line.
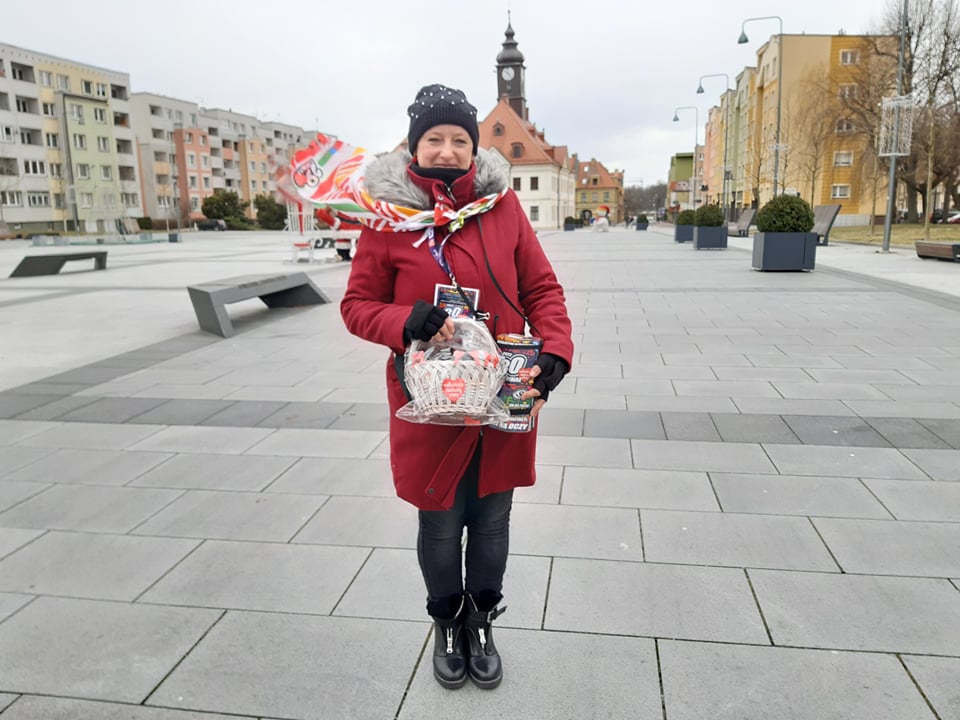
{"type": "Point", "coordinates": [784, 251]}
{"type": "Point", "coordinates": [642, 226]}
{"type": "Point", "coordinates": [709, 237]}
{"type": "Point", "coordinates": [568, 228]}
{"type": "Point", "coordinates": [683, 233]}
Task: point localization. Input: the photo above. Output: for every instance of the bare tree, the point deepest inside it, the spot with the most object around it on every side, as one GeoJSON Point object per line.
{"type": "Point", "coordinates": [813, 123]}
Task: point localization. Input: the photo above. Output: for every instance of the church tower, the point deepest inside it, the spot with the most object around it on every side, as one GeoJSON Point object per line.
{"type": "Point", "coordinates": [510, 72]}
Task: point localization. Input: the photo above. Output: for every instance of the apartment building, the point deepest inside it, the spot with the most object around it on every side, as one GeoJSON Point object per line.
{"type": "Point", "coordinates": [799, 84]}
{"type": "Point", "coordinates": [68, 158]}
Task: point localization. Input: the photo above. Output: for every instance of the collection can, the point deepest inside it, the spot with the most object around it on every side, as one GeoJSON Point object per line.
{"type": "Point", "coordinates": [520, 354]}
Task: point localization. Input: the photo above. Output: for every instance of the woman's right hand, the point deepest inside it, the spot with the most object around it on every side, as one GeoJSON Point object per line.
{"type": "Point", "coordinates": [427, 322]}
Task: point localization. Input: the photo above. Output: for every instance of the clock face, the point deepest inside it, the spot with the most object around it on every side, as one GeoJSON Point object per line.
{"type": "Point", "coordinates": [507, 74]}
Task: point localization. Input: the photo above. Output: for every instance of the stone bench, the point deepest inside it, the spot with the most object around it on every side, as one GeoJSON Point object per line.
{"type": "Point", "coordinates": [210, 299]}
{"type": "Point", "coordinates": [33, 265]}
{"type": "Point", "coordinates": [938, 250]}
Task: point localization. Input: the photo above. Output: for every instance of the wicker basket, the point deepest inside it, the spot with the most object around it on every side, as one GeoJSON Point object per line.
{"type": "Point", "coordinates": [456, 381]}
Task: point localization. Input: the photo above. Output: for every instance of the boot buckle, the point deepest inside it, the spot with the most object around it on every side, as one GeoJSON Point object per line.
{"type": "Point", "coordinates": [449, 641]}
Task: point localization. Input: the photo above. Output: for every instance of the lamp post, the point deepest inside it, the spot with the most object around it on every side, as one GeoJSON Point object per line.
{"type": "Point", "coordinates": [726, 130]}
{"type": "Point", "coordinates": [696, 136]}
{"type": "Point", "coordinates": [776, 143]}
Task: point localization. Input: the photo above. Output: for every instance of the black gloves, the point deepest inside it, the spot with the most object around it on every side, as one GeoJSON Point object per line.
{"type": "Point", "coordinates": [424, 322]}
{"type": "Point", "coordinates": [552, 370]}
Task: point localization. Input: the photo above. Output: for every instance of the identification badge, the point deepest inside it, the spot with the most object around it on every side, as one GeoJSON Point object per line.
{"type": "Point", "coordinates": [448, 298]}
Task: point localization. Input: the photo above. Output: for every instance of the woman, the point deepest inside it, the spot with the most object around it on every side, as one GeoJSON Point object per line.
{"type": "Point", "coordinates": [458, 477]}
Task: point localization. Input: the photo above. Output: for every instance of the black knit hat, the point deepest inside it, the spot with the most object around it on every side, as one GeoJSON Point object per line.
{"type": "Point", "coordinates": [440, 105]}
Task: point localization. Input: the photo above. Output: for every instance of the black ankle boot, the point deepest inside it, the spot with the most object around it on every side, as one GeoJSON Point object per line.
{"type": "Point", "coordinates": [449, 661]}
{"type": "Point", "coordinates": [483, 660]}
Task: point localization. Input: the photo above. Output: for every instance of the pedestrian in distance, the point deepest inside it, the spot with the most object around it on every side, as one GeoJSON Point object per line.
{"type": "Point", "coordinates": [481, 248]}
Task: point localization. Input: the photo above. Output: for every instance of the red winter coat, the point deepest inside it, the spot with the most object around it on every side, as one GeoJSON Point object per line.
{"type": "Point", "coordinates": [389, 275]}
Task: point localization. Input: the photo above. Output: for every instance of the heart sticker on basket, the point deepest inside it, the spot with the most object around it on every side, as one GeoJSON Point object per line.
{"type": "Point", "coordinates": [453, 388]}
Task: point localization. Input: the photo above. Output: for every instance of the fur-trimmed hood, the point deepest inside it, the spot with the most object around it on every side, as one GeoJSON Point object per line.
{"type": "Point", "coordinates": [386, 179]}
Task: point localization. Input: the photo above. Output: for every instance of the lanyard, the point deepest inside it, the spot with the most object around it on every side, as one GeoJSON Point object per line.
{"type": "Point", "coordinates": [436, 251]}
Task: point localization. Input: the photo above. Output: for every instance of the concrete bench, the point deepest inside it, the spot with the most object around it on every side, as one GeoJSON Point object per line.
{"type": "Point", "coordinates": [210, 299]}
{"type": "Point", "coordinates": [741, 227]}
{"type": "Point", "coordinates": [33, 265]}
{"type": "Point", "coordinates": [938, 250]}
{"type": "Point", "coordinates": [823, 218]}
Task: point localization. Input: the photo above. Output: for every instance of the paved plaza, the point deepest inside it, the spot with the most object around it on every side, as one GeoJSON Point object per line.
{"type": "Point", "coordinates": [748, 504]}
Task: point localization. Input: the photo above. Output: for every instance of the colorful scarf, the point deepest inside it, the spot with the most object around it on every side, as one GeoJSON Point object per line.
{"type": "Point", "coordinates": [331, 173]}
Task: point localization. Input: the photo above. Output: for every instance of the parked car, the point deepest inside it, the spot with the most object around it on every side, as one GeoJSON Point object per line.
{"type": "Point", "coordinates": [211, 224]}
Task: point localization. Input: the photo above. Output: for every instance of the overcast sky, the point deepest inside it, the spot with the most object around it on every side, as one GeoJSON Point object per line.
{"type": "Point", "coordinates": [603, 82]}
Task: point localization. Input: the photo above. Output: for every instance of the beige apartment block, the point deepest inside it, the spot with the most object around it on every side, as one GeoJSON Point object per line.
{"type": "Point", "coordinates": [68, 160]}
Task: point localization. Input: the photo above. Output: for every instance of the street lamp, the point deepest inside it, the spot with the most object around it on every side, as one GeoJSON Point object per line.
{"type": "Point", "coordinates": [696, 136]}
{"type": "Point", "coordinates": [776, 143]}
{"type": "Point", "coordinates": [726, 130]}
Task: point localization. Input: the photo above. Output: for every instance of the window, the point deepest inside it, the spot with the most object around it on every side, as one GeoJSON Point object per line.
{"type": "Point", "coordinates": [86, 200]}
{"type": "Point", "coordinates": [53, 140]}
{"type": "Point", "coordinates": [4, 101]}
{"type": "Point", "coordinates": [534, 213]}
{"type": "Point", "coordinates": [58, 201]}
{"type": "Point", "coordinates": [848, 92]}
{"type": "Point", "coordinates": [203, 139]}
{"type": "Point", "coordinates": [63, 82]}
{"type": "Point", "coordinates": [49, 109]}
{"type": "Point", "coordinates": [86, 87]}
{"type": "Point", "coordinates": [253, 185]}
{"type": "Point", "coordinates": [103, 143]}
{"type": "Point", "coordinates": [46, 78]}
{"type": "Point", "coordinates": [845, 125]}
{"type": "Point", "coordinates": [193, 181]}
{"type": "Point", "coordinates": [38, 199]}
{"type": "Point", "coordinates": [106, 172]}
{"type": "Point", "coordinates": [606, 195]}
{"type": "Point", "coordinates": [516, 150]}
{"type": "Point", "coordinates": [159, 156]}
{"type": "Point", "coordinates": [498, 129]}
{"type": "Point", "coordinates": [583, 197]}
{"type": "Point", "coordinates": [840, 192]}
{"type": "Point", "coordinates": [101, 90]}
{"type": "Point", "coordinates": [517, 184]}
{"type": "Point", "coordinates": [83, 171]}
{"type": "Point", "coordinates": [34, 167]}
{"type": "Point", "coordinates": [191, 160]}
{"type": "Point", "coordinates": [26, 137]}
{"type": "Point", "coordinates": [129, 199]}
{"type": "Point", "coordinates": [23, 105]}
{"type": "Point", "coordinates": [593, 197]}
{"type": "Point", "coordinates": [194, 203]}
{"type": "Point", "coordinates": [79, 141]}
{"type": "Point", "coordinates": [100, 115]}
{"type": "Point", "coordinates": [18, 72]}
{"type": "Point", "coordinates": [849, 57]}
{"type": "Point", "coordinates": [206, 182]}
{"type": "Point", "coordinates": [76, 112]}
{"type": "Point", "coordinates": [189, 139]}
{"type": "Point", "coordinates": [205, 161]}
{"type": "Point", "coordinates": [6, 133]}
{"type": "Point", "coordinates": [263, 168]}
{"type": "Point", "coordinates": [56, 170]}
{"type": "Point", "coordinates": [534, 183]}
{"type": "Point", "coordinates": [253, 166]}
{"type": "Point", "coordinates": [843, 158]}
{"type": "Point", "coordinates": [11, 198]}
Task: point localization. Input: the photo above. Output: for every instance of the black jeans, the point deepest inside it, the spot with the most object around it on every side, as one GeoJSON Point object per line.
{"type": "Point", "coordinates": [488, 540]}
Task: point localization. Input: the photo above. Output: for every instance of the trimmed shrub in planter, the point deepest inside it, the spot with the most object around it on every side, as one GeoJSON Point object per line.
{"type": "Point", "coordinates": [683, 232]}
{"type": "Point", "coordinates": [709, 230]}
{"type": "Point", "coordinates": [642, 222]}
{"type": "Point", "coordinates": [783, 240]}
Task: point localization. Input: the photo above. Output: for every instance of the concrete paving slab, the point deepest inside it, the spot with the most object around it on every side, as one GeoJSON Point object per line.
{"type": "Point", "coordinates": [622, 598]}
{"type": "Point", "coordinates": [89, 467]}
{"type": "Point", "coordinates": [938, 464]}
{"type": "Point", "coordinates": [883, 547]}
{"type": "Point", "coordinates": [939, 678]}
{"type": "Point", "coordinates": [221, 674]}
{"type": "Point", "coordinates": [619, 681]}
{"type": "Point", "coordinates": [859, 612]}
{"type": "Point", "coordinates": [88, 508]}
{"type": "Point", "coordinates": [200, 471]}
{"type": "Point", "coordinates": [948, 430]}
{"type": "Point", "coordinates": [333, 476]}
{"type": "Point", "coordinates": [731, 682]}
{"type": "Point", "coordinates": [13, 431]}
{"type": "Point", "coordinates": [90, 436]}
{"type": "Point", "coordinates": [733, 540]}
{"type": "Point", "coordinates": [9, 604]}
{"type": "Point", "coordinates": [56, 408]}
{"type": "Point", "coordinates": [602, 533]}
{"type": "Point", "coordinates": [592, 452]}
{"type": "Point", "coordinates": [700, 456]}
{"type": "Point", "coordinates": [622, 424]}
{"type": "Point", "coordinates": [12, 492]}
{"type": "Point", "coordinates": [656, 489]}
{"type": "Point", "coordinates": [98, 650]}
{"type": "Point", "coordinates": [907, 433]}
{"type": "Point", "coordinates": [203, 440]}
{"type": "Point", "coordinates": [259, 576]}
{"type": "Point", "coordinates": [362, 521]}
{"type": "Point", "coordinates": [95, 566]}
{"type": "Point", "coordinates": [918, 500]}
{"type": "Point", "coordinates": [12, 539]}
{"type": "Point", "coordinates": [753, 429]}
{"type": "Point", "coordinates": [32, 707]}
{"type": "Point", "coordinates": [689, 426]}
{"type": "Point", "coordinates": [546, 490]}
{"type": "Point", "coordinates": [319, 443]}
{"type": "Point", "coordinates": [797, 495]}
{"type": "Point", "coordinates": [636, 403]}
{"type": "Point", "coordinates": [262, 517]}
{"type": "Point", "coordinates": [828, 430]}
{"type": "Point", "coordinates": [827, 461]}
{"type": "Point", "coordinates": [181, 411]}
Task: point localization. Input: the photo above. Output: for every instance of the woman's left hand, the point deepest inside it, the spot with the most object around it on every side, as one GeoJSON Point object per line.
{"type": "Point", "coordinates": [545, 375]}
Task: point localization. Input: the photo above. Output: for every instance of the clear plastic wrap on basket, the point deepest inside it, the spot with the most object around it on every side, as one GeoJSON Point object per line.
{"type": "Point", "coordinates": [456, 381]}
